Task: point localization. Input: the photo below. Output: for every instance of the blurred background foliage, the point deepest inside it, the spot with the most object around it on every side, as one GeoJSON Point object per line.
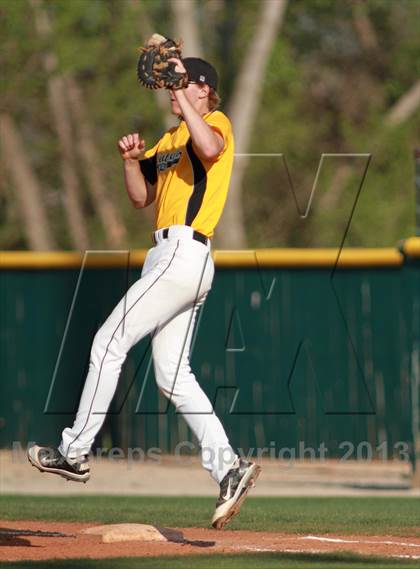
{"type": "Point", "coordinates": [338, 79]}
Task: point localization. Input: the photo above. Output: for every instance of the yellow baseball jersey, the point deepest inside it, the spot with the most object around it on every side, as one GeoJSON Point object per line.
{"type": "Point", "coordinates": [190, 190]}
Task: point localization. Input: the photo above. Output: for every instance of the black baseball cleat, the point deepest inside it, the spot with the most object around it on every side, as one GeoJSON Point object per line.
{"type": "Point", "coordinates": [233, 490]}
{"type": "Point", "coordinates": [49, 459]}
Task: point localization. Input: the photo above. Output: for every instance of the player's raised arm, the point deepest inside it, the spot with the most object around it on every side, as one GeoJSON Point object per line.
{"type": "Point", "coordinates": [207, 143]}
{"type": "Point", "coordinates": [140, 192]}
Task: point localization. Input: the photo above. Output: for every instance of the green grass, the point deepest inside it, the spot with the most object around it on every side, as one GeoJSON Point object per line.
{"type": "Point", "coordinates": [397, 516]}
{"type": "Point", "coordinates": [250, 561]}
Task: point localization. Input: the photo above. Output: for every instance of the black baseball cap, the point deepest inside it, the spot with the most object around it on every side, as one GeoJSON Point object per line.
{"type": "Point", "coordinates": [201, 71]}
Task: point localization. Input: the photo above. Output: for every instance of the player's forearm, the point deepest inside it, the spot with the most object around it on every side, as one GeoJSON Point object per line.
{"type": "Point", "coordinates": [203, 136]}
{"type": "Point", "coordinates": [135, 183]}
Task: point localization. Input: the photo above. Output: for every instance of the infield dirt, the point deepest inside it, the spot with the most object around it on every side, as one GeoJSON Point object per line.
{"type": "Point", "coordinates": [18, 542]}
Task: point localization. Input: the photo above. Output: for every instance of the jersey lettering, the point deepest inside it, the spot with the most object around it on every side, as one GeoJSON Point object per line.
{"type": "Point", "coordinates": [166, 160]}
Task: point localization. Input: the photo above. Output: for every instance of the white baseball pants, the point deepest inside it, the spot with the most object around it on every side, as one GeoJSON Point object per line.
{"type": "Point", "coordinates": [176, 277]}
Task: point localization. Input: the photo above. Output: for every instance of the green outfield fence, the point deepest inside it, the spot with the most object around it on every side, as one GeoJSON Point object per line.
{"type": "Point", "coordinates": [295, 349]}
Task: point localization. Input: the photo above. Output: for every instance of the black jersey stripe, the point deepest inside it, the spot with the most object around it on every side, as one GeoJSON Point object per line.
{"type": "Point", "coordinates": [148, 168]}
{"type": "Point", "coordinates": [200, 185]}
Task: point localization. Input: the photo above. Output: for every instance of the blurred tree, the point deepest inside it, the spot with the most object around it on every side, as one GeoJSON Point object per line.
{"type": "Point", "coordinates": [114, 229]}
{"type": "Point", "coordinates": [340, 78]}
{"type": "Point", "coordinates": [186, 27]}
{"type": "Point", "coordinates": [363, 25]}
{"type": "Point", "coordinates": [243, 108]}
{"type": "Point", "coordinates": [405, 107]}
{"type": "Point", "coordinates": [28, 194]}
{"type": "Point", "coordinates": [324, 92]}
{"type": "Point", "coordinates": [60, 115]}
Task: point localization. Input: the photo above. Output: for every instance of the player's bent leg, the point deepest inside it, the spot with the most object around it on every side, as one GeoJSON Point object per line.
{"type": "Point", "coordinates": [171, 346]}
{"type": "Point", "coordinates": [147, 302]}
{"type": "Point", "coordinates": [171, 350]}
{"type": "Point", "coordinates": [167, 286]}
{"type": "Point", "coordinates": [170, 280]}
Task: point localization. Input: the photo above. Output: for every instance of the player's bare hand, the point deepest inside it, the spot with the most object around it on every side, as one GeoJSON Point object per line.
{"type": "Point", "coordinates": [179, 66]}
{"type": "Point", "coordinates": [131, 146]}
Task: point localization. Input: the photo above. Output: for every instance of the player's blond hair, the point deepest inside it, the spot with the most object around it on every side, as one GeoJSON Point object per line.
{"type": "Point", "coordinates": [214, 100]}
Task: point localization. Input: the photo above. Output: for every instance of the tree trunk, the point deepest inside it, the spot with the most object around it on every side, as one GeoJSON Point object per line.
{"type": "Point", "coordinates": [113, 224]}
{"type": "Point", "coordinates": [28, 192]}
{"type": "Point", "coordinates": [242, 111]}
{"type": "Point", "coordinates": [363, 26]}
{"type": "Point", "coordinates": [59, 111]}
{"type": "Point", "coordinates": [405, 106]}
{"type": "Point", "coordinates": [186, 27]}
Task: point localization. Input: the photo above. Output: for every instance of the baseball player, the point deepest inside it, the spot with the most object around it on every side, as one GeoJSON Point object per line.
{"type": "Point", "coordinates": [186, 174]}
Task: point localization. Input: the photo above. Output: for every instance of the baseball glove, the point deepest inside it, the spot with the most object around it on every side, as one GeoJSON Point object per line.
{"type": "Point", "coordinates": [153, 69]}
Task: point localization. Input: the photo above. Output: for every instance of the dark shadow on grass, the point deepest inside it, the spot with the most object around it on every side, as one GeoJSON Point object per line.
{"type": "Point", "coordinates": [220, 560]}
{"type": "Point", "coordinates": [331, 558]}
{"type": "Point", "coordinates": [378, 487]}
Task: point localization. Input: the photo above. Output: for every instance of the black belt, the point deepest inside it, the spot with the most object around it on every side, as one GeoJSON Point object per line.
{"type": "Point", "coordinates": [196, 235]}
